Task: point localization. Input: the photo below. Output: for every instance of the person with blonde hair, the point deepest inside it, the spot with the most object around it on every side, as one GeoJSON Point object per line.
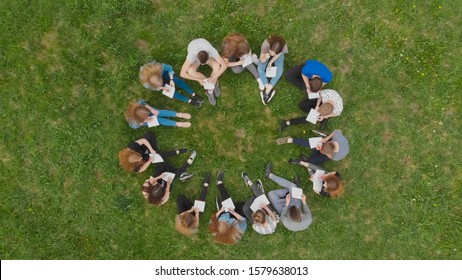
{"type": "Point", "coordinates": [139, 154]}
{"type": "Point", "coordinates": [201, 52]}
{"type": "Point", "coordinates": [236, 51]}
{"type": "Point", "coordinates": [155, 76]}
{"type": "Point", "coordinates": [156, 189]}
{"type": "Point", "coordinates": [264, 221]}
{"type": "Point", "coordinates": [227, 225]}
{"type": "Point", "coordinates": [187, 220]}
{"type": "Point", "coordinates": [332, 182]}
{"type": "Point", "coordinates": [272, 54]}
{"type": "Point", "coordinates": [140, 113]}
{"type": "Point", "coordinates": [329, 105]}
{"type": "Point", "coordinates": [333, 147]}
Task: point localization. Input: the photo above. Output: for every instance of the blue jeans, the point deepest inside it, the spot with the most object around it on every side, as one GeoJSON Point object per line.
{"type": "Point", "coordinates": [162, 121]}
{"type": "Point", "coordinates": [179, 83]}
{"type": "Point", "coordinates": [279, 63]}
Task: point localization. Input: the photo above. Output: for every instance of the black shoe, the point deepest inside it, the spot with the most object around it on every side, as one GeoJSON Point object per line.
{"type": "Point", "coordinates": [195, 103]}
{"type": "Point", "coordinates": [323, 124]}
{"type": "Point", "coordinates": [181, 151]}
{"type": "Point", "coordinates": [207, 179]}
{"type": "Point", "coordinates": [220, 176]}
{"type": "Point", "coordinates": [198, 98]}
{"type": "Point", "coordinates": [303, 158]}
{"type": "Point", "coordinates": [268, 169]}
{"type": "Point", "coordinates": [270, 96]}
{"type": "Point", "coordinates": [294, 161]}
{"type": "Point", "coordinates": [283, 125]}
{"type": "Point", "coordinates": [296, 181]}
{"type": "Point", "coordinates": [246, 178]}
{"type": "Point", "coordinates": [260, 186]}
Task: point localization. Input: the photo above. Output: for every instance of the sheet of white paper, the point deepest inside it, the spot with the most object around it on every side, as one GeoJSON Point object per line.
{"type": "Point", "coordinates": [271, 72]}
{"type": "Point", "coordinates": [208, 85]}
{"type": "Point", "coordinates": [313, 95]}
{"type": "Point", "coordinates": [199, 204]}
{"type": "Point", "coordinates": [314, 141]}
{"type": "Point", "coordinates": [152, 121]}
{"type": "Point", "coordinates": [258, 201]}
{"type": "Point", "coordinates": [228, 204]}
{"type": "Point", "coordinates": [247, 60]}
{"type": "Point", "coordinates": [317, 182]}
{"type": "Point", "coordinates": [169, 91]}
{"type": "Point", "coordinates": [157, 158]}
{"type": "Point", "coordinates": [168, 175]}
{"type": "Point", "coordinates": [297, 193]}
{"type": "Point", "coordinates": [312, 116]}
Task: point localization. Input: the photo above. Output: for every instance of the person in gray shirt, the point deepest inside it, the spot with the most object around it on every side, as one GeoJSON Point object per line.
{"type": "Point", "coordinates": [294, 213]}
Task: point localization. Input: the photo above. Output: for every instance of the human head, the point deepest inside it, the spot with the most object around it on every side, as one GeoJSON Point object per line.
{"type": "Point", "coordinates": [186, 223]}
{"type": "Point", "coordinates": [151, 74]}
{"type": "Point", "coordinates": [315, 84]}
{"type": "Point", "coordinates": [155, 192]}
{"type": "Point", "coordinates": [259, 216]}
{"type": "Point", "coordinates": [325, 109]}
{"type": "Point", "coordinates": [223, 232]}
{"type": "Point", "coordinates": [235, 44]}
{"type": "Point", "coordinates": [136, 112]}
{"type": "Point", "coordinates": [294, 214]}
{"type": "Point", "coordinates": [333, 184]}
{"type": "Point", "coordinates": [328, 148]}
{"type": "Point", "coordinates": [187, 219]}
{"type": "Point", "coordinates": [130, 160]}
{"type": "Point", "coordinates": [276, 43]}
{"type": "Point", "coordinates": [203, 57]}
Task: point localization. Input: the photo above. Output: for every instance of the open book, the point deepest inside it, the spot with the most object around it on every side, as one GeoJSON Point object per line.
{"type": "Point", "coordinates": [247, 60]}
{"type": "Point", "coordinates": [157, 158]}
{"type": "Point", "coordinates": [152, 121]}
{"type": "Point", "coordinates": [317, 182]}
{"type": "Point", "coordinates": [271, 72]}
{"type": "Point", "coordinates": [169, 91]}
{"type": "Point", "coordinates": [228, 203]}
{"type": "Point", "coordinates": [258, 201]}
{"type": "Point", "coordinates": [314, 141]}
{"type": "Point", "coordinates": [208, 85]}
{"type": "Point", "coordinates": [199, 204]}
{"type": "Point", "coordinates": [312, 116]}
{"type": "Point", "coordinates": [296, 192]}
{"type": "Point", "coordinates": [167, 176]}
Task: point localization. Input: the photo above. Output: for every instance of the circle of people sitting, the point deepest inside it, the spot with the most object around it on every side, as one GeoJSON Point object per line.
{"type": "Point", "coordinates": [264, 211]}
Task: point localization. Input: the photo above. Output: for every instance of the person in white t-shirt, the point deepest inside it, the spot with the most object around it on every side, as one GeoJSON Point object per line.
{"type": "Point", "coordinates": [201, 52]}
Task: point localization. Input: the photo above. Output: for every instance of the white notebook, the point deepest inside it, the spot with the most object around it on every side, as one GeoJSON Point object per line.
{"type": "Point", "coordinates": [271, 72]}
{"type": "Point", "coordinates": [199, 204]}
{"type": "Point", "coordinates": [157, 158]}
{"type": "Point", "coordinates": [258, 201]}
{"type": "Point", "coordinates": [313, 95]}
{"type": "Point", "coordinates": [247, 60]}
{"type": "Point", "coordinates": [152, 121]}
{"type": "Point", "coordinates": [314, 141]}
{"type": "Point", "coordinates": [312, 116]}
{"type": "Point", "coordinates": [167, 176]}
{"type": "Point", "coordinates": [228, 203]}
{"type": "Point", "coordinates": [296, 193]}
{"type": "Point", "coordinates": [317, 182]}
{"type": "Point", "coordinates": [169, 91]}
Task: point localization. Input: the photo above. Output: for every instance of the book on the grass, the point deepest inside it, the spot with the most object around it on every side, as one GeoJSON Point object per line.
{"type": "Point", "coordinates": [247, 60]}
{"type": "Point", "coordinates": [271, 72]}
{"type": "Point", "coordinates": [313, 95]}
{"type": "Point", "coordinates": [199, 204]}
{"type": "Point", "coordinates": [296, 193]}
{"type": "Point", "coordinates": [314, 141]}
{"type": "Point", "coordinates": [312, 116]}
{"type": "Point", "coordinates": [228, 203]}
{"type": "Point", "coordinates": [208, 85]}
{"type": "Point", "coordinates": [317, 182]}
{"type": "Point", "coordinates": [168, 91]}
{"type": "Point", "coordinates": [167, 176]}
{"type": "Point", "coordinates": [153, 121]}
{"type": "Point", "coordinates": [157, 158]}
{"type": "Point", "coordinates": [258, 201]}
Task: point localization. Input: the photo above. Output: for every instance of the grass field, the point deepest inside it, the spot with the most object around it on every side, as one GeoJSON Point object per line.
{"type": "Point", "coordinates": [68, 69]}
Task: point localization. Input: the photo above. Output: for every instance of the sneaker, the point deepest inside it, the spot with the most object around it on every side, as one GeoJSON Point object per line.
{"type": "Point", "coordinates": [304, 158]}
{"type": "Point", "coordinates": [323, 124]}
{"type": "Point", "coordinates": [198, 98]}
{"type": "Point", "coordinates": [181, 151]}
{"type": "Point", "coordinates": [185, 176]}
{"type": "Point", "coordinates": [255, 59]}
{"type": "Point", "coordinates": [283, 140]}
{"type": "Point", "coordinates": [283, 125]}
{"type": "Point", "coordinates": [296, 181]}
{"type": "Point", "coordinates": [195, 103]}
{"type": "Point", "coordinates": [268, 169]}
{"type": "Point", "coordinates": [263, 96]}
{"type": "Point", "coordinates": [270, 96]}
{"type": "Point", "coordinates": [320, 133]}
{"type": "Point", "coordinates": [294, 161]}
{"type": "Point", "coordinates": [260, 186]}
{"type": "Point", "coordinates": [220, 176]}
{"type": "Point", "coordinates": [192, 157]}
{"type": "Point", "coordinates": [207, 179]}
{"type": "Point", "coordinates": [217, 90]}
{"type": "Point", "coordinates": [246, 178]}
{"type": "Point", "coordinates": [211, 97]}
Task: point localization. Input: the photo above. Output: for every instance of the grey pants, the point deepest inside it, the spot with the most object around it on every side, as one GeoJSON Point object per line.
{"type": "Point", "coordinates": [238, 69]}
{"type": "Point", "coordinates": [278, 197]}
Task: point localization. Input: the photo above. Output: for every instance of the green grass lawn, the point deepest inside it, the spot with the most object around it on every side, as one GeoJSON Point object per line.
{"type": "Point", "coordinates": [68, 69]}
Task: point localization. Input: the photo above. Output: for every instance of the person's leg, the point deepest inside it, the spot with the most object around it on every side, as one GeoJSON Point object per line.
{"type": "Point", "coordinates": [278, 199]}
{"type": "Point", "coordinates": [166, 122]}
{"type": "Point", "coordinates": [317, 157]}
{"type": "Point", "coordinates": [307, 104]}
{"type": "Point", "coordinates": [149, 135]}
{"type": "Point", "coordinates": [262, 72]}
{"type": "Point", "coordinates": [223, 193]}
{"type": "Point", "coordinates": [236, 69]}
{"type": "Point", "coordinates": [294, 76]}
{"type": "Point", "coordinates": [238, 207]}
{"type": "Point", "coordinates": [247, 211]}
{"type": "Point", "coordinates": [301, 142]}
{"type": "Point", "coordinates": [181, 97]}
{"type": "Point", "coordinates": [179, 83]}
{"type": "Point", "coordinates": [252, 69]}
{"type": "Point", "coordinates": [160, 168]}
{"type": "Point", "coordinates": [203, 193]}
{"type": "Point", "coordinates": [282, 182]}
{"type": "Point", "coordinates": [193, 71]}
{"type": "Point", "coordinates": [183, 203]}
{"type": "Point", "coordinates": [296, 121]}
{"type": "Point", "coordinates": [257, 192]}
{"type": "Point", "coordinates": [215, 67]}
{"type": "Point", "coordinates": [279, 63]}
{"type": "Point", "coordinates": [166, 113]}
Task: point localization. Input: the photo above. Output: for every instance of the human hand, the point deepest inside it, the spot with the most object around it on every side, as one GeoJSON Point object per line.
{"type": "Point", "coordinates": [317, 108]}
{"type": "Point", "coordinates": [288, 197]}
{"type": "Point", "coordinates": [319, 146]}
{"type": "Point", "coordinates": [263, 206]}
{"type": "Point", "coordinates": [172, 83]}
{"type": "Point", "coordinates": [267, 55]}
{"type": "Point", "coordinates": [303, 198]}
{"type": "Point", "coordinates": [212, 80]}
{"type": "Point", "coordinates": [320, 118]}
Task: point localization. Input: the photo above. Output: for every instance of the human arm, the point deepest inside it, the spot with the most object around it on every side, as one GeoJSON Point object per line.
{"type": "Point", "coordinates": [146, 165]}
{"type": "Point", "coordinates": [320, 118]}
{"type": "Point", "coordinates": [270, 63]}
{"type": "Point", "coordinates": [151, 109]}
{"type": "Point", "coordinates": [324, 140]}
{"type": "Point", "coordinates": [220, 211]}
{"type": "Point", "coordinates": [213, 79]}
{"type": "Point", "coordinates": [307, 83]}
{"type": "Point", "coordinates": [184, 72]}
{"type": "Point", "coordinates": [268, 210]}
{"type": "Point", "coordinates": [167, 192]}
